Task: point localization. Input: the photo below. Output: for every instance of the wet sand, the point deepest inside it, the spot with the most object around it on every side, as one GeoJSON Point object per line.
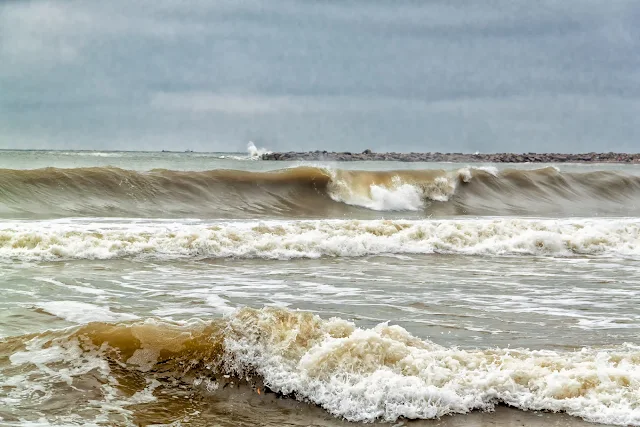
{"type": "Point", "coordinates": [245, 407]}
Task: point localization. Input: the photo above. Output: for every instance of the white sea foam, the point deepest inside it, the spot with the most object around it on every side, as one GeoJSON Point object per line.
{"type": "Point", "coordinates": [399, 196]}
{"type": "Point", "coordinates": [82, 312]}
{"type": "Point", "coordinates": [404, 197]}
{"type": "Point", "coordinates": [489, 169]}
{"type": "Point", "coordinates": [51, 240]}
{"type": "Point", "coordinates": [465, 174]}
{"type": "Point", "coordinates": [386, 373]}
{"type": "Point", "coordinates": [92, 153]}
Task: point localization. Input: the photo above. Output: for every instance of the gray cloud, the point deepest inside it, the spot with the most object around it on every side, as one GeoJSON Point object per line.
{"type": "Point", "coordinates": [428, 75]}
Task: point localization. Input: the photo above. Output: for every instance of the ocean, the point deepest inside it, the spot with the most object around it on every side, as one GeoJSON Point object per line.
{"type": "Point", "coordinates": [216, 289]}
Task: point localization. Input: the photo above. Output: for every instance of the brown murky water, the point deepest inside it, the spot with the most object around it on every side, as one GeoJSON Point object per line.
{"type": "Point", "coordinates": [385, 306]}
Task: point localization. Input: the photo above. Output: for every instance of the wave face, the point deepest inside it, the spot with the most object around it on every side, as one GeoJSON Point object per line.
{"type": "Point", "coordinates": [60, 240]}
{"type": "Point", "coordinates": [383, 373]}
{"type": "Point", "coordinates": [310, 192]}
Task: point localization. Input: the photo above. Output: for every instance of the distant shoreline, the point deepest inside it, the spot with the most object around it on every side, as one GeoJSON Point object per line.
{"type": "Point", "coordinates": [455, 157]}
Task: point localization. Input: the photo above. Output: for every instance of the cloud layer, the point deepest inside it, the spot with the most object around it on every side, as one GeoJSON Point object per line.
{"type": "Point", "coordinates": [415, 76]}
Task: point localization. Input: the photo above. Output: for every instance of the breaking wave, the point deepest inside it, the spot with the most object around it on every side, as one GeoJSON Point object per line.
{"type": "Point", "coordinates": [382, 373]}
{"type": "Point", "coordinates": [255, 152]}
{"type": "Point", "coordinates": [311, 192]}
{"type": "Point", "coordinates": [81, 239]}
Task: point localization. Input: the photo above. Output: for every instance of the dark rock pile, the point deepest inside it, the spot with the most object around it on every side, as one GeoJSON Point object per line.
{"type": "Point", "coordinates": [458, 157]}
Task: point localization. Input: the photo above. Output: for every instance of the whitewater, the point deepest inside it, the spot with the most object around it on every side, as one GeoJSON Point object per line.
{"type": "Point", "coordinates": [199, 288]}
{"type": "Point", "coordinates": [82, 239]}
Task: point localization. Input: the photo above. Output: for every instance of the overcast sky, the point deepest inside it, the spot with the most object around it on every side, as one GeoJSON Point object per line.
{"type": "Point", "coordinates": [427, 75]}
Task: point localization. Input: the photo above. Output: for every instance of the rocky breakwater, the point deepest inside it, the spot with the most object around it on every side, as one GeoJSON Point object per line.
{"type": "Point", "coordinates": [457, 157]}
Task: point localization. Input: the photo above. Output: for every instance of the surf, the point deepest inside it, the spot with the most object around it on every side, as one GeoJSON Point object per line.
{"type": "Point", "coordinates": [60, 240]}
{"type": "Point", "coordinates": [359, 374]}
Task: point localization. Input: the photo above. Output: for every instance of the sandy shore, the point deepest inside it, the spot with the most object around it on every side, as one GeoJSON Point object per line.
{"type": "Point", "coordinates": [504, 416]}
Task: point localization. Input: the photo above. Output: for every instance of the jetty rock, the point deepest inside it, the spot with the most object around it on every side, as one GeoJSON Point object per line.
{"type": "Point", "coordinates": [369, 155]}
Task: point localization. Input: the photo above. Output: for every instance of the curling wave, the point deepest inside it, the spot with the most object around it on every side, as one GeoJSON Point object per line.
{"type": "Point", "coordinates": [79, 239]}
{"type": "Point", "coordinates": [311, 192]}
{"type": "Point", "coordinates": [383, 373]}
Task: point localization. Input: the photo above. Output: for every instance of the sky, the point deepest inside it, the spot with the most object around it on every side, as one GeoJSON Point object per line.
{"type": "Point", "coordinates": [345, 75]}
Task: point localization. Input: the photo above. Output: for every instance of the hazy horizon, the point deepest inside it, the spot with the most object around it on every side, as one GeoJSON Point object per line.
{"type": "Point", "coordinates": [554, 76]}
{"type": "Point", "coordinates": [62, 150]}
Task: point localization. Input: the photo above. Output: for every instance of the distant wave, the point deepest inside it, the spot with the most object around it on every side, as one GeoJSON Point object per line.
{"type": "Point", "coordinates": [382, 373]}
{"type": "Point", "coordinates": [62, 240]}
{"type": "Point", "coordinates": [312, 192]}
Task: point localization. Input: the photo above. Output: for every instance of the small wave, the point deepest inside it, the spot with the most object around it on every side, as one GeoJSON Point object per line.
{"type": "Point", "coordinates": [382, 373]}
{"type": "Point", "coordinates": [42, 240]}
{"type": "Point", "coordinates": [92, 153]}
